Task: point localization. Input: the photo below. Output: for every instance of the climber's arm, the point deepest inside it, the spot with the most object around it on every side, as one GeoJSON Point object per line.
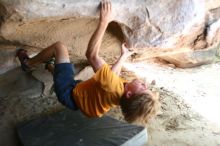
{"type": "Point", "coordinates": [92, 52]}
{"type": "Point", "coordinates": [125, 53]}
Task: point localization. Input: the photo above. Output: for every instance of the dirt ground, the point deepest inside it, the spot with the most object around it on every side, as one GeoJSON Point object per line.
{"type": "Point", "coordinates": [190, 105]}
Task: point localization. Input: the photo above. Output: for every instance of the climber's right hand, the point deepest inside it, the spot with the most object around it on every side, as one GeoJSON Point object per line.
{"type": "Point", "coordinates": [106, 11]}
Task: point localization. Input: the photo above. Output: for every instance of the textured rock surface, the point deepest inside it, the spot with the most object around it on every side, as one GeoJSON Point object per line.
{"type": "Point", "coordinates": [17, 83]}
{"type": "Point", "coordinates": [144, 23]}
{"type": "Point", "coordinates": [7, 59]}
{"type": "Point", "coordinates": [154, 28]}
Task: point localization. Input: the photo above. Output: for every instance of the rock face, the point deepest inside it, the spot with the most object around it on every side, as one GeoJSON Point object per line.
{"type": "Point", "coordinates": [153, 28]}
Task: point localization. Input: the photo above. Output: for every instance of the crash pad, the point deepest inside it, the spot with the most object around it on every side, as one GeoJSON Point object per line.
{"type": "Point", "coordinates": [72, 128]}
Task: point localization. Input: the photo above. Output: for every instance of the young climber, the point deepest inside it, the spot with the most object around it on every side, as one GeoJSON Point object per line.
{"type": "Point", "coordinates": [105, 89]}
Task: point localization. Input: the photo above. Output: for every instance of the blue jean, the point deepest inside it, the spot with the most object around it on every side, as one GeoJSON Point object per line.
{"type": "Point", "coordinates": [64, 84]}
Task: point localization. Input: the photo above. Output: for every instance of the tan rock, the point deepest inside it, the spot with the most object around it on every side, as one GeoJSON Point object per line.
{"type": "Point", "coordinates": [153, 28]}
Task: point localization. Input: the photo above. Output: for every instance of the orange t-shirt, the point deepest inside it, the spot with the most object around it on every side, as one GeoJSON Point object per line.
{"type": "Point", "coordinates": [97, 95]}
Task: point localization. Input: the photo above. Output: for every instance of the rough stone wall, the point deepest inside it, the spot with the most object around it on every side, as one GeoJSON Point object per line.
{"type": "Point", "coordinates": [144, 23]}
{"type": "Point", "coordinates": [154, 28]}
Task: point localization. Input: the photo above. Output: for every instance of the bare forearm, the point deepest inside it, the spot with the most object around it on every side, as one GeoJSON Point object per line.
{"type": "Point", "coordinates": [125, 53]}
{"type": "Point", "coordinates": [96, 39]}
{"type": "Point", "coordinates": [118, 64]}
{"type": "Point", "coordinates": [93, 48]}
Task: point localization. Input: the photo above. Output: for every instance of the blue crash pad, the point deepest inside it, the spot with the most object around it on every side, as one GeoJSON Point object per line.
{"type": "Point", "coordinates": [72, 128]}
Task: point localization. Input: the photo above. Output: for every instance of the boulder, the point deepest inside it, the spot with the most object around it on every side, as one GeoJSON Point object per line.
{"type": "Point", "coordinates": [7, 58]}
{"type": "Point", "coordinates": [152, 28]}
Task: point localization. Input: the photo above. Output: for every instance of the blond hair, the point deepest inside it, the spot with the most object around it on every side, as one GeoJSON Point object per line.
{"type": "Point", "coordinates": [140, 108]}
